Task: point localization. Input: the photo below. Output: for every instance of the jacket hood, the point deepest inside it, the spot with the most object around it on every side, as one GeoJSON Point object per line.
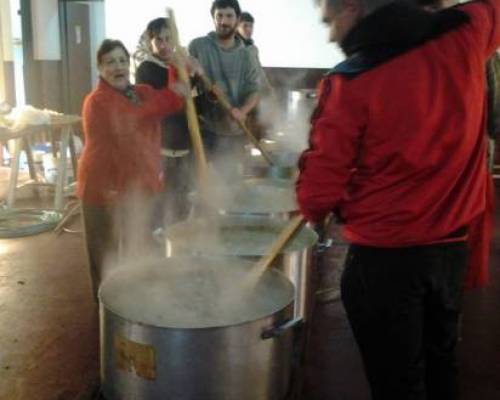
{"type": "Point", "coordinates": [400, 25]}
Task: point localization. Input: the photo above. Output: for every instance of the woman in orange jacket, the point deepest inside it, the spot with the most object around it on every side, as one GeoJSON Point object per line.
{"type": "Point", "coordinates": [121, 125]}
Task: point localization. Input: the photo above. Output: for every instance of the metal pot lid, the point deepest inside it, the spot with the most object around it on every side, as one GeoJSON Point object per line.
{"type": "Point", "coordinates": [288, 184]}
{"type": "Point", "coordinates": [234, 236]}
{"type": "Point", "coordinates": [195, 292]}
{"type": "Point", "coordinates": [258, 196]}
{"type": "Point", "coordinates": [282, 155]}
{"type": "Point", "coordinates": [303, 93]}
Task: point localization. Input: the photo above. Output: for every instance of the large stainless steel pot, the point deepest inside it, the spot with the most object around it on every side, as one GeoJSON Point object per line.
{"type": "Point", "coordinates": [287, 139]}
{"type": "Point", "coordinates": [249, 237]}
{"type": "Point", "coordinates": [273, 198]}
{"type": "Point", "coordinates": [300, 105]}
{"type": "Point", "coordinates": [154, 346]}
{"type": "Point", "coordinates": [284, 161]}
{"type": "Point", "coordinates": [284, 167]}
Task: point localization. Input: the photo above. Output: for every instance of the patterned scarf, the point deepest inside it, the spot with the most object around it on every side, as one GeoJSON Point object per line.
{"type": "Point", "coordinates": [131, 95]}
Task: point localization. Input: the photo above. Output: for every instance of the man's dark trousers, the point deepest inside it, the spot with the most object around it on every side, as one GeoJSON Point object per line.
{"type": "Point", "coordinates": [403, 305]}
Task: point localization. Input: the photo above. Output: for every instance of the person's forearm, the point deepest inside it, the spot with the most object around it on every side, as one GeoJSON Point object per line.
{"type": "Point", "coordinates": [250, 103]}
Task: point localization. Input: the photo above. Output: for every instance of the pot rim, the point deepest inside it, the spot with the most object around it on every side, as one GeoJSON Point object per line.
{"type": "Point", "coordinates": [280, 277]}
{"type": "Point", "coordinates": [236, 220]}
{"type": "Point", "coordinates": [201, 328]}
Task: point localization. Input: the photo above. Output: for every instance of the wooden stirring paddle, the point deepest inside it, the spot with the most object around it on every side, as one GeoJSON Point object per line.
{"type": "Point", "coordinates": [192, 118]}
{"type": "Point", "coordinates": [224, 103]}
{"type": "Point", "coordinates": [283, 238]}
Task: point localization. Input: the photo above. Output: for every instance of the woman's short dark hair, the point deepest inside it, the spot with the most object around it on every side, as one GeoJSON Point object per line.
{"type": "Point", "coordinates": [109, 45]}
{"type": "Point", "coordinates": [246, 17]}
{"type": "Point", "coordinates": [155, 27]}
{"type": "Point", "coordinates": [218, 4]}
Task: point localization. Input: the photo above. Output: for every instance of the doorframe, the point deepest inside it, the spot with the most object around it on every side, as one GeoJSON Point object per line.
{"type": "Point", "coordinates": [29, 67]}
{"type": "Point", "coordinates": [63, 27]}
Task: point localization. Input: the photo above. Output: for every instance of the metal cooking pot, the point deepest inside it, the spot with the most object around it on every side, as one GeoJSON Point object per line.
{"type": "Point", "coordinates": [260, 197]}
{"type": "Point", "coordinates": [284, 162]}
{"type": "Point", "coordinates": [155, 346]}
{"type": "Point", "coordinates": [300, 105]}
{"type": "Point", "coordinates": [250, 238]}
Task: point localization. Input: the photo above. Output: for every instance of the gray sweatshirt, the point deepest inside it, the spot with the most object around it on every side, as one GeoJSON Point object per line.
{"type": "Point", "coordinates": [233, 70]}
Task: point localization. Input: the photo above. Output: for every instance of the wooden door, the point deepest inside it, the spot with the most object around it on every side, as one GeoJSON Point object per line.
{"type": "Point", "coordinates": [77, 55]}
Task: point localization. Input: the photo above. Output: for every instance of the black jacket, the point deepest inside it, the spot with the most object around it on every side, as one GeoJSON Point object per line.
{"type": "Point", "coordinates": [493, 80]}
{"type": "Point", "coordinates": [175, 133]}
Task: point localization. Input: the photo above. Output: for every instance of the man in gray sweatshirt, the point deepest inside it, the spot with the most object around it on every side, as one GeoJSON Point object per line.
{"type": "Point", "coordinates": [229, 64]}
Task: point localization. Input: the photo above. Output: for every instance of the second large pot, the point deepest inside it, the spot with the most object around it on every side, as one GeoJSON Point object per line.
{"type": "Point", "coordinates": [271, 198]}
{"type": "Point", "coordinates": [284, 162]}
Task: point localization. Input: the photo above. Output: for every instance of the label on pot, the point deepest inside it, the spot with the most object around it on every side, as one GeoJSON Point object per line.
{"type": "Point", "coordinates": [134, 357]}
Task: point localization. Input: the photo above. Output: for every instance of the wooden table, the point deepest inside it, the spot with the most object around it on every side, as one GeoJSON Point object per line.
{"type": "Point", "coordinates": [65, 124]}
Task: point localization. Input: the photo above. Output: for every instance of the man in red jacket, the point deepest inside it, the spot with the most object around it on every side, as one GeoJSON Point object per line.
{"type": "Point", "coordinates": [397, 151]}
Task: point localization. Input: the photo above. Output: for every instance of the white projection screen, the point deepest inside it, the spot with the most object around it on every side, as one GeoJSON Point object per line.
{"type": "Point", "coordinates": [288, 33]}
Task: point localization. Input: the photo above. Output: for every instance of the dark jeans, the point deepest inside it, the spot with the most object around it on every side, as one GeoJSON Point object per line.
{"type": "Point", "coordinates": [117, 235]}
{"type": "Point", "coordinates": [173, 204]}
{"type": "Point", "coordinates": [209, 141]}
{"type": "Point", "coordinates": [403, 306]}
{"type": "Point", "coordinates": [100, 241]}
{"type": "Point", "coordinates": [226, 154]}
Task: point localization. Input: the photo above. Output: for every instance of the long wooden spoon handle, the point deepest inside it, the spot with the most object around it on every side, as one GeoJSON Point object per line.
{"type": "Point", "coordinates": [192, 118]}
{"type": "Point", "coordinates": [222, 100]}
{"type": "Point", "coordinates": [286, 234]}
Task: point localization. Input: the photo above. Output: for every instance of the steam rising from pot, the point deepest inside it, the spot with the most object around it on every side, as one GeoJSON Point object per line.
{"type": "Point", "coordinates": [194, 292]}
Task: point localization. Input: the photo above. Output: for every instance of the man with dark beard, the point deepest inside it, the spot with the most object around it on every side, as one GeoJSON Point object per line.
{"type": "Point", "coordinates": [230, 65]}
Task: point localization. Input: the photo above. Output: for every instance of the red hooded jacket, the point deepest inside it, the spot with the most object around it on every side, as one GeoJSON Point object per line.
{"type": "Point", "coordinates": [397, 146]}
{"type": "Point", "coordinates": [122, 142]}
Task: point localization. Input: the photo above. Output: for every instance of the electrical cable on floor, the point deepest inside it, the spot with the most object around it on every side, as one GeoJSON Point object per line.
{"type": "Point", "coordinates": [71, 210]}
{"type": "Point", "coordinates": [72, 230]}
{"type": "Point", "coordinates": [26, 221]}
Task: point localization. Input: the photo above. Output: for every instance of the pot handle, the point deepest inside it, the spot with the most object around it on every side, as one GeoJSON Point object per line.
{"type": "Point", "coordinates": [323, 246]}
{"type": "Point", "coordinates": [282, 329]}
